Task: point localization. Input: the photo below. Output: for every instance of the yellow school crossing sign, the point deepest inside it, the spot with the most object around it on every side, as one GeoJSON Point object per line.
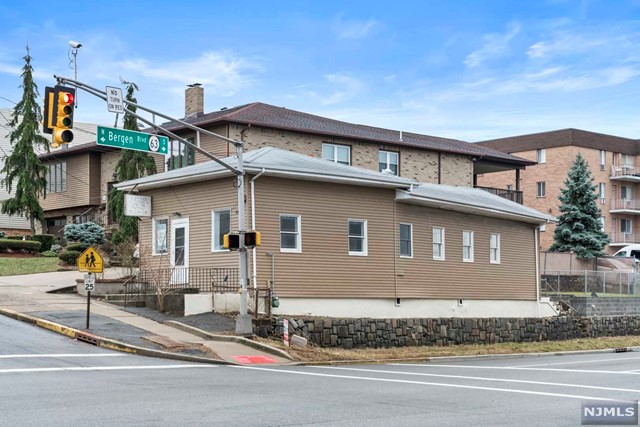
{"type": "Point", "coordinates": [90, 261]}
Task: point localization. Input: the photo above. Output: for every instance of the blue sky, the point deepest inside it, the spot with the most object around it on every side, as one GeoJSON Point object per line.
{"type": "Point", "coordinates": [471, 70]}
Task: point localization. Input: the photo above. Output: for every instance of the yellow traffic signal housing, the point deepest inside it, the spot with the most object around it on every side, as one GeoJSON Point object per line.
{"type": "Point", "coordinates": [48, 123]}
{"type": "Point", "coordinates": [231, 242]}
{"type": "Point", "coordinates": [64, 98]}
{"type": "Point", "coordinates": [252, 239]}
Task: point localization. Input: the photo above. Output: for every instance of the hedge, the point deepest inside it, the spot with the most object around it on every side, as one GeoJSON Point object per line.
{"type": "Point", "coordinates": [14, 237]}
{"type": "Point", "coordinates": [73, 247]}
{"type": "Point", "coordinates": [46, 239]}
{"type": "Point", "coordinates": [17, 245]}
{"type": "Point", "coordinates": [69, 256]}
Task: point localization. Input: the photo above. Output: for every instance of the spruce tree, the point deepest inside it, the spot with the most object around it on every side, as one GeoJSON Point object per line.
{"type": "Point", "coordinates": [22, 166]}
{"type": "Point", "coordinates": [131, 165]}
{"type": "Point", "coordinates": [579, 228]}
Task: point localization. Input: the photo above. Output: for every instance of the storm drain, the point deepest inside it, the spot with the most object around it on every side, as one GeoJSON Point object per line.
{"type": "Point", "coordinates": [88, 338]}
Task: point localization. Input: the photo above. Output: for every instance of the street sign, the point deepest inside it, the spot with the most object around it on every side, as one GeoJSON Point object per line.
{"type": "Point", "coordinates": [132, 140]}
{"type": "Point", "coordinates": [114, 99]}
{"type": "Point", "coordinates": [89, 282]}
{"type": "Point", "coordinates": [90, 261]}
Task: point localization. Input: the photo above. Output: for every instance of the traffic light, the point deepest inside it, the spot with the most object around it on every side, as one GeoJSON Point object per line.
{"type": "Point", "coordinates": [63, 115]}
{"type": "Point", "coordinates": [251, 239]}
{"type": "Point", "coordinates": [47, 111]}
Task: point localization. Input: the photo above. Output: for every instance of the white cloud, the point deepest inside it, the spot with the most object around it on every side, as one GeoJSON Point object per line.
{"type": "Point", "coordinates": [354, 29]}
{"type": "Point", "coordinates": [348, 87]}
{"type": "Point", "coordinates": [495, 45]}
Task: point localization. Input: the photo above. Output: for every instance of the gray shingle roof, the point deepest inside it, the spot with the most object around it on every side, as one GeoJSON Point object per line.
{"type": "Point", "coordinates": [260, 114]}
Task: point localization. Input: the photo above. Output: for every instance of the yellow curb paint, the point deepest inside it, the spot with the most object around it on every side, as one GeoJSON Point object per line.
{"type": "Point", "coordinates": [116, 347]}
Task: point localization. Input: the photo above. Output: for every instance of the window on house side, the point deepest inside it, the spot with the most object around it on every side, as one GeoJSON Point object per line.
{"type": "Point", "coordinates": [406, 240]}
{"type": "Point", "coordinates": [540, 189]}
{"type": "Point", "coordinates": [337, 153]}
{"type": "Point", "coordinates": [603, 158]}
{"type": "Point", "coordinates": [494, 248]}
{"type": "Point", "coordinates": [290, 233]}
{"type": "Point", "coordinates": [541, 155]}
{"type": "Point", "coordinates": [159, 236]}
{"type": "Point", "coordinates": [56, 175]}
{"type": "Point", "coordinates": [626, 226]}
{"type": "Point", "coordinates": [388, 161]}
{"type": "Point", "coordinates": [467, 246]}
{"type": "Point", "coordinates": [438, 243]}
{"type": "Point", "coordinates": [601, 190]}
{"type": "Point", "coordinates": [221, 225]}
{"type": "Point", "coordinates": [357, 237]}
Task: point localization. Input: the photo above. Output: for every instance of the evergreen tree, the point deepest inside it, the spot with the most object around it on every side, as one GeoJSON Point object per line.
{"type": "Point", "coordinates": [22, 166]}
{"type": "Point", "coordinates": [131, 165]}
{"type": "Point", "coordinates": [579, 228]}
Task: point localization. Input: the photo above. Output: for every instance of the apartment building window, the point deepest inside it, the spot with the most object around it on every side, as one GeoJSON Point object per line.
{"type": "Point", "coordinates": [290, 233]}
{"type": "Point", "coordinates": [626, 226]}
{"type": "Point", "coordinates": [56, 175]}
{"type": "Point", "coordinates": [406, 240]}
{"type": "Point", "coordinates": [494, 248]}
{"type": "Point", "coordinates": [388, 162]}
{"type": "Point", "coordinates": [626, 160]}
{"type": "Point", "coordinates": [221, 225]}
{"type": "Point", "coordinates": [601, 190]}
{"type": "Point", "coordinates": [467, 246]}
{"type": "Point", "coordinates": [541, 155]}
{"type": "Point", "coordinates": [626, 192]}
{"type": "Point", "coordinates": [602, 223]}
{"type": "Point", "coordinates": [180, 155]}
{"type": "Point", "coordinates": [509, 187]}
{"type": "Point", "coordinates": [603, 159]}
{"type": "Point", "coordinates": [540, 189]}
{"type": "Point", "coordinates": [438, 243]}
{"type": "Point", "coordinates": [337, 153]}
{"type": "Point", "coordinates": [358, 237]}
{"type": "Point", "coordinates": [159, 235]}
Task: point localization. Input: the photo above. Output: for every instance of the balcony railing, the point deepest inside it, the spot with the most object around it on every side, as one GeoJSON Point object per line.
{"type": "Point", "coordinates": [624, 170]}
{"type": "Point", "coordinates": [626, 204]}
{"type": "Point", "coordinates": [513, 195]}
{"type": "Point", "coordinates": [618, 237]}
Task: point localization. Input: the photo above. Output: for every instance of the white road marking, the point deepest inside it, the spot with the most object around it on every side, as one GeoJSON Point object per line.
{"type": "Point", "coordinates": [515, 368]}
{"type": "Point", "coordinates": [482, 379]}
{"type": "Point", "coordinates": [100, 368]}
{"type": "Point", "coordinates": [387, 380]}
{"type": "Point", "coordinates": [28, 356]}
{"type": "Point", "coordinates": [580, 361]}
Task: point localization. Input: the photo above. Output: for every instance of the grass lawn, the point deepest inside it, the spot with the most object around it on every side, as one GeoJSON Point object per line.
{"type": "Point", "coordinates": [319, 354]}
{"type": "Point", "coordinates": [13, 266]}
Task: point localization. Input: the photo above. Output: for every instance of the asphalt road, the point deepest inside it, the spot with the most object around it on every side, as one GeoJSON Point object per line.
{"type": "Point", "coordinates": [47, 379]}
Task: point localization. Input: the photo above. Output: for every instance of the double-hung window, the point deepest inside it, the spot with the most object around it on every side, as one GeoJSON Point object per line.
{"type": "Point", "coordinates": [541, 189]}
{"type": "Point", "coordinates": [159, 235]}
{"type": "Point", "coordinates": [406, 241]}
{"type": "Point", "coordinates": [601, 190]}
{"type": "Point", "coordinates": [494, 248]}
{"type": "Point", "coordinates": [467, 246]}
{"type": "Point", "coordinates": [357, 237]}
{"type": "Point", "coordinates": [438, 243]}
{"type": "Point", "coordinates": [56, 177]}
{"type": "Point", "coordinates": [388, 162]}
{"type": "Point", "coordinates": [626, 226]}
{"type": "Point", "coordinates": [220, 225]}
{"type": "Point", "coordinates": [336, 153]}
{"type": "Point", "coordinates": [290, 233]}
{"type": "Point", "coordinates": [603, 159]}
{"type": "Point", "coordinates": [541, 155]}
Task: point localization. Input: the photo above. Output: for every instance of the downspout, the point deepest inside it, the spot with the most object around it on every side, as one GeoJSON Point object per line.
{"type": "Point", "coordinates": [395, 254]}
{"type": "Point", "coordinates": [253, 227]}
{"type": "Point", "coordinates": [536, 234]}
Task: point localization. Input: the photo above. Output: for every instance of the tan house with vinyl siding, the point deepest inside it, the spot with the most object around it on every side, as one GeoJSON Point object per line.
{"type": "Point", "coordinates": [349, 241]}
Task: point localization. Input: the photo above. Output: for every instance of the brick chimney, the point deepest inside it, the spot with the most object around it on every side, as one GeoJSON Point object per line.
{"type": "Point", "coordinates": [194, 100]}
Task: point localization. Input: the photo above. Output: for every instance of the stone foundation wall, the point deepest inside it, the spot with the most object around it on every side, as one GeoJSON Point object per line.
{"type": "Point", "coordinates": [385, 333]}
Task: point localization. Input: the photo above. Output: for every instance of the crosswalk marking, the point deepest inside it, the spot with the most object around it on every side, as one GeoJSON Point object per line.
{"type": "Point", "coordinates": [35, 356]}
{"type": "Point", "coordinates": [100, 368]}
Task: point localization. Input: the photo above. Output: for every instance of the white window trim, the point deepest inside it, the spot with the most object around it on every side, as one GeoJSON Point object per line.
{"type": "Point", "coordinates": [213, 229]}
{"type": "Point", "coordinates": [497, 260]}
{"type": "Point", "coordinates": [335, 151]}
{"type": "Point", "coordinates": [541, 156]}
{"type": "Point", "coordinates": [471, 243]}
{"type": "Point", "coordinates": [602, 190]}
{"type": "Point", "coordinates": [410, 240]}
{"type": "Point", "coordinates": [442, 257]}
{"type": "Point", "coordinates": [365, 239]}
{"type": "Point", "coordinates": [543, 187]}
{"type": "Point", "coordinates": [153, 235]}
{"type": "Point", "coordinates": [298, 248]}
{"type": "Point", "coordinates": [388, 163]}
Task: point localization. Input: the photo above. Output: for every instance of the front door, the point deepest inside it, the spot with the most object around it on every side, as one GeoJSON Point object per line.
{"type": "Point", "coordinates": [180, 251]}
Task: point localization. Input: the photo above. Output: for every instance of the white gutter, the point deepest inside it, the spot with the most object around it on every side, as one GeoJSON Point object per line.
{"type": "Point", "coordinates": [253, 227]}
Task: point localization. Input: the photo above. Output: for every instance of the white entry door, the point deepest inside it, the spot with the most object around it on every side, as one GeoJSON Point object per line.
{"type": "Point", "coordinates": [180, 250]}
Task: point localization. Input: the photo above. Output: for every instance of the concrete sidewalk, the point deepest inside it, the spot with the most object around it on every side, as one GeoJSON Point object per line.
{"type": "Point", "coordinates": [26, 298]}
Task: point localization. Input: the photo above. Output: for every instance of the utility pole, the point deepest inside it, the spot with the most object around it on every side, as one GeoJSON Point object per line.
{"type": "Point", "coordinates": [243, 321]}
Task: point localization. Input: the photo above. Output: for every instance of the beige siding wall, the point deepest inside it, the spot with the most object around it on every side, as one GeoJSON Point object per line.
{"type": "Point", "coordinates": [421, 165]}
{"type": "Point", "coordinates": [424, 277]}
{"type": "Point", "coordinates": [95, 178]}
{"type": "Point", "coordinates": [213, 145]}
{"type": "Point", "coordinates": [77, 193]}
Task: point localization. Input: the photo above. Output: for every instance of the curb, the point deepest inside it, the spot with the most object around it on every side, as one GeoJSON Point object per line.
{"type": "Point", "coordinates": [239, 340]}
{"type": "Point", "coordinates": [107, 343]}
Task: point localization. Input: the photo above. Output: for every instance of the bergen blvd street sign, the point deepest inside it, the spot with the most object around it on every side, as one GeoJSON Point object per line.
{"type": "Point", "coordinates": [131, 140]}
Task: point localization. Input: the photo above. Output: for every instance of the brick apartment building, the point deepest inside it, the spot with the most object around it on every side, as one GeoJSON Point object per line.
{"type": "Point", "coordinates": [611, 160]}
